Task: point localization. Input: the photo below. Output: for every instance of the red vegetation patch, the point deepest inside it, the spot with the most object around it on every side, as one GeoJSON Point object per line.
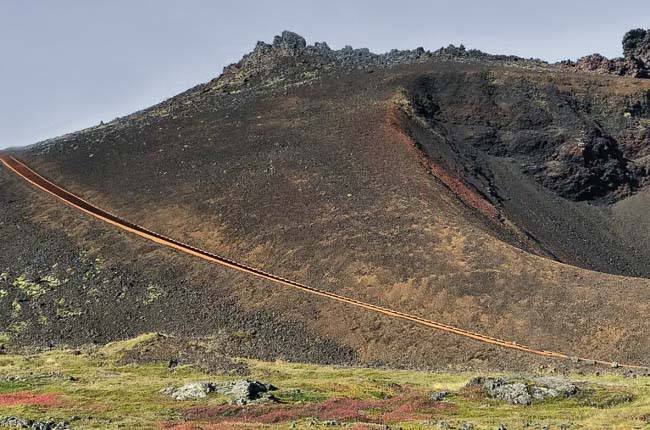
{"type": "Point", "coordinates": [181, 426]}
{"type": "Point", "coordinates": [408, 411]}
{"type": "Point", "coordinates": [218, 426]}
{"type": "Point", "coordinates": [280, 415]}
{"type": "Point", "coordinates": [214, 413]}
{"type": "Point", "coordinates": [379, 411]}
{"type": "Point", "coordinates": [28, 398]}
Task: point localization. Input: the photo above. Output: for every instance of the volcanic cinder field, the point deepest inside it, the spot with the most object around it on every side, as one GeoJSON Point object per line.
{"type": "Point", "coordinates": [491, 194]}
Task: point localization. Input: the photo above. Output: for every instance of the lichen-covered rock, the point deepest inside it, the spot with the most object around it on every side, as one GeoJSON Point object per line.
{"type": "Point", "coordinates": [245, 391]}
{"type": "Point", "coordinates": [14, 422]}
{"type": "Point", "coordinates": [524, 392]}
{"type": "Point", "coordinates": [190, 391]}
{"type": "Point", "coordinates": [511, 392]}
{"type": "Point", "coordinates": [438, 395]}
{"type": "Point", "coordinates": [544, 388]}
{"type": "Point", "coordinates": [241, 392]}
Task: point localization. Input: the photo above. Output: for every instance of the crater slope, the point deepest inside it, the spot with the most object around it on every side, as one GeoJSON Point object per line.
{"type": "Point", "coordinates": [499, 195]}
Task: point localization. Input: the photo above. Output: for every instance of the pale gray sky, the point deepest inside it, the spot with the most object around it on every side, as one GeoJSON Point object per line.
{"type": "Point", "coordinates": [67, 64]}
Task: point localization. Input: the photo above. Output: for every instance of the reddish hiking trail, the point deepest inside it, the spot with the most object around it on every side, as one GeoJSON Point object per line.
{"type": "Point", "coordinates": [40, 182]}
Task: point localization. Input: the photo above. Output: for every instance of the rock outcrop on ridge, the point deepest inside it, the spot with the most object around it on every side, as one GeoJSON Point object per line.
{"type": "Point", "coordinates": [635, 61]}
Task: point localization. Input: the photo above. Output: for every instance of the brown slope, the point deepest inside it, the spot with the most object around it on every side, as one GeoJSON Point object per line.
{"type": "Point", "coordinates": [46, 186]}
{"type": "Point", "coordinates": [311, 182]}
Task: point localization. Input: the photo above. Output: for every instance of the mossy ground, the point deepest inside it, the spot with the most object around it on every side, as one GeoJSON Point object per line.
{"type": "Point", "coordinates": [89, 388]}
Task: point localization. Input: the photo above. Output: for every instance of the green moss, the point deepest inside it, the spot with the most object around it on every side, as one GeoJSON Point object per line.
{"type": "Point", "coordinates": [28, 287]}
{"type": "Point", "coordinates": [12, 386]}
{"type": "Point", "coordinates": [65, 311]}
{"type": "Point", "coordinates": [99, 264]}
{"type": "Point", "coordinates": [604, 397]}
{"type": "Point", "coordinates": [16, 309]}
{"type": "Point", "coordinates": [243, 335]}
{"type": "Point", "coordinates": [18, 327]}
{"type": "Point", "coordinates": [310, 74]}
{"type": "Point", "coordinates": [51, 281]}
{"type": "Point", "coordinates": [114, 349]}
{"type": "Point", "coordinates": [154, 292]}
{"type": "Point", "coordinates": [297, 395]}
{"type": "Point", "coordinates": [68, 312]}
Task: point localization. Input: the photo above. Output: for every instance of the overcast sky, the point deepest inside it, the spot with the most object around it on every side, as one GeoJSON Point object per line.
{"type": "Point", "coordinates": [67, 64]}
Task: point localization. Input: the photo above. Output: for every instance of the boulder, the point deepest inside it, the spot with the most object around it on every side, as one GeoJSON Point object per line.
{"type": "Point", "coordinates": [14, 422]}
{"type": "Point", "coordinates": [544, 388]}
{"type": "Point", "coordinates": [438, 396]}
{"type": "Point", "coordinates": [289, 43]}
{"type": "Point", "coordinates": [515, 393]}
{"type": "Point", "coordinates": [245, 391]}
{"type": "Point", "coordinates": [241, 392]}
{"type": "Point", "coordinates": [190, 391]}
{"type": "Point", "coordinates": [636, 44]}
{"type": "Point", "coordinates": [524, 392]}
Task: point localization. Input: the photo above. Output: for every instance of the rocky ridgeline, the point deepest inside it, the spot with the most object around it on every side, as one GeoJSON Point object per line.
{"type": "Point", "coordinates": [635, 61]}
{"type": "Point", "coordinates": [289, 61]}
{"type": "Point", "coordinates": [272, 59]}
{"type": "Point", "coordinates": [265, 58]}
{"type": "Point", "coordinates": [289, 56]}
{"type": "Point", "coordinates": [290, 44]}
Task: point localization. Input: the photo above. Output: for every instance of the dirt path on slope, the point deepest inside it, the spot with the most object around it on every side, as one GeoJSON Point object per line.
{"type": "Point", "coordinates": [40, 182]}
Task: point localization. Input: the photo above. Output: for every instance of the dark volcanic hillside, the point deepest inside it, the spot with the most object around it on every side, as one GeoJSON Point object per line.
{"type": "Point", "coordinates": [501, 195]}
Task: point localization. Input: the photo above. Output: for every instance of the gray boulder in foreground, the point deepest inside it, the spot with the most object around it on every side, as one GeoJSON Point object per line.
{"type": "Point", "coordinates": [241, 392]}
{"type": "Point", "coordinates": [32, 425]}
{"type": "Point", "coordinates": [524, 392]}
{"type": "Point", "coordinates": [189, 391]}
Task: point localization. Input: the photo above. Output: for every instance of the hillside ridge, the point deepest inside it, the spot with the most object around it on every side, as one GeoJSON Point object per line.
{"type": "Point", "coordinates": [430, 186]}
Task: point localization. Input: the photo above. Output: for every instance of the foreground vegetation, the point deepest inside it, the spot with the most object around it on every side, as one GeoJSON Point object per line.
{"type": "Point", "coordinates": [94, 388]}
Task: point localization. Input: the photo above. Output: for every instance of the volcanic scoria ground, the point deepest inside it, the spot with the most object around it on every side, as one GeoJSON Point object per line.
{"type": "Point", "coordinates": [497, 194]}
